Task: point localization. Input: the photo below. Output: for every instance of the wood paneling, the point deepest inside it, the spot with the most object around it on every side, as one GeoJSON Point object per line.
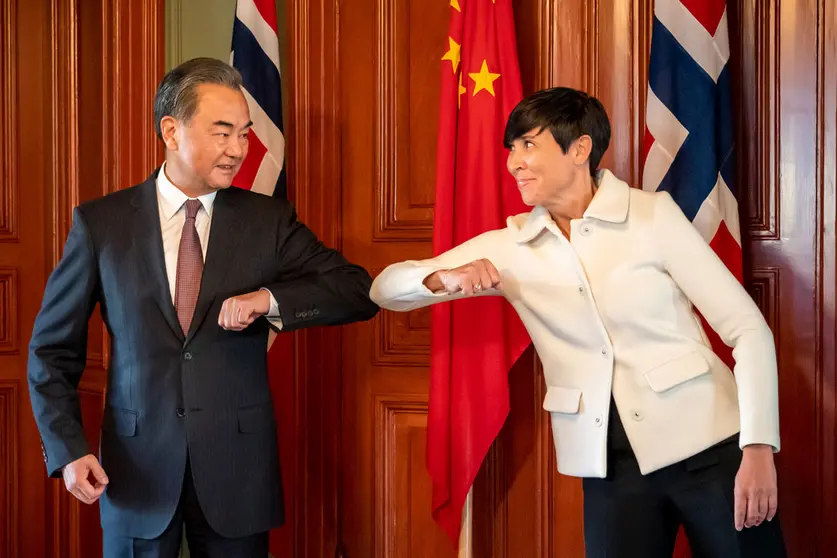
{"type": "Point", "coordinates": [389, 64]}
{"type": "Point", "coordinates": [8, 123]}
{"type": "Point", "coordinates": [77, 82]}
{"type": "Point", "coordinates": [313, 165]}
{"type": "Point", "coordinates": [403, 527]}
{"type": "Point", "coordinates": [9, 480]}
{"type": "Point", "coordinates": [404, 180]}
{"type": "Point", "coordinates": [9, 324]}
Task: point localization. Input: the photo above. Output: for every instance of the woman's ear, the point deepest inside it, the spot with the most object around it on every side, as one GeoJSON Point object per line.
{"type": "Point", "coordinates": [583, 148]}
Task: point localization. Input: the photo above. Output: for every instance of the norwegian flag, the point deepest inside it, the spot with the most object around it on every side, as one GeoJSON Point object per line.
{"type": "Point", "coordinates": [689, 137]}
{"type": "Point", "coordinates": [255, 54]}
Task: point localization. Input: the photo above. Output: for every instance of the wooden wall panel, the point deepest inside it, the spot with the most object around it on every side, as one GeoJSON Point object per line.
{"type": "Point", "coordinates": [107, 59]}
{"type": "Point", "coordinates": [9, 324]}
{"type": "Point", "coordinates": [405, 182]}
{"type": "Point", "coordinates": [403, 527]}
{"type": "Point", "coordinates": [9, 480]}
{"type": "Point", "coordinates": [8, 124]}
{"type": "Point", "coordinates": [314, 176]}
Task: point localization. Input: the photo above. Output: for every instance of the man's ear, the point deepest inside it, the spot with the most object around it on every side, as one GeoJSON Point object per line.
{"type": "Point", "coordinates": [169, 129]}
{"type": "Point", "coordinates": [583, 148]}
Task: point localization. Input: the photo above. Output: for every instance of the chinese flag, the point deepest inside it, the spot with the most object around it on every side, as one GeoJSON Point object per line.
{"type": "Point", "coordinates": [474, 342]}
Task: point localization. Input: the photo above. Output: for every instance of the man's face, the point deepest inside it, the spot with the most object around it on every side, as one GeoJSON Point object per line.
{"type": "Point", "coordinates": [210, 147]}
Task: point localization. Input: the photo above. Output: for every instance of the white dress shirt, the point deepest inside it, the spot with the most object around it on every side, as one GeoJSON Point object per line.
{"type": "Point", "coordinates": [610, 312]}
{"type": "Point", "coordinates": [171, 203]}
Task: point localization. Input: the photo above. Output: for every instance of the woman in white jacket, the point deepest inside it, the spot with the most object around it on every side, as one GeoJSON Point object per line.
{"type": "Point", "coordinates": [604, 277]}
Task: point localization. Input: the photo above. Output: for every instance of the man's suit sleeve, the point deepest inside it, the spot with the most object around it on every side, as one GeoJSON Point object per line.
{"type": "Point", "coordinates": [58, 349]}
{"type": "Point", "coordinates": [317, 286]}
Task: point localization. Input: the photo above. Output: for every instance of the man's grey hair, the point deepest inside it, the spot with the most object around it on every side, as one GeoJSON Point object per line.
{"type": "Point", "coordinates": [177, 94]}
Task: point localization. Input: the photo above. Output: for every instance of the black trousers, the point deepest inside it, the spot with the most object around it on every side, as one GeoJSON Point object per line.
{"type": "Point", "coordinates": [203, 540]}
{"type": "Point", "coordinates": [630, 515]}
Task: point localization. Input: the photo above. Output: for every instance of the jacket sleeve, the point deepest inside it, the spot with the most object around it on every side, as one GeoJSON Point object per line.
{"type": "Point", "coordinates": [730, 311]}
{"type": "Point", "coordinates": [400, 287]}
{"type": "Point", "coordinates": [317, 286]}
{"type": "Point", "coordinates": [58, 349]}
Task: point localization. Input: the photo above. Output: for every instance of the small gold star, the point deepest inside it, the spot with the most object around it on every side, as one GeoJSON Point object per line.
{"type": "Point", "coordinates": [454, 50]}
{"type": "Point", "coordinates": [484, 80]}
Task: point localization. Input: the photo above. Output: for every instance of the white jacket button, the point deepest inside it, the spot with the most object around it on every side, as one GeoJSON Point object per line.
{"type": "Point", "coordinates": [598, 421]}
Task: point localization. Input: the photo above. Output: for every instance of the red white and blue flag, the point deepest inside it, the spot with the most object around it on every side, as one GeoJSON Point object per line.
{"type": "Point", "coordinates": [689, 139]}
{"type": "Point", "coordinates": [255, 54]}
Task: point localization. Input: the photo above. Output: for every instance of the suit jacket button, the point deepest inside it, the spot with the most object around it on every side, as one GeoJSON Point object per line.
{"type": "Point", "coordinates": [187, 356]}
{"type": "Point", "coordinates": [316, 312]}
{"type": "Point", "coordinates": [181, 412]}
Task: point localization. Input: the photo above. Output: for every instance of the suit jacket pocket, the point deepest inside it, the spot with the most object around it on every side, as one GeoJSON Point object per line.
{"type": "Point", "coordinates": [120, 421]}
{"type": "Point", "coordinates": [255, 418]}
{"type": "Point", "coordinates": [562, 400]}
{"type": "Point", "coordinates": [677, 371]}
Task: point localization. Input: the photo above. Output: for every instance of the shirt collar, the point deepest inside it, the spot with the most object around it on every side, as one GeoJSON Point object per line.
{"type": "Point", "coordinates": [172, 198]}
{"type": "Point", "coordinates": [610, 203]}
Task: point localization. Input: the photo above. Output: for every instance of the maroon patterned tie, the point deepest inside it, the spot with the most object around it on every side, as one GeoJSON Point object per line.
{"type": "Point", "coordinates": [189, 268]}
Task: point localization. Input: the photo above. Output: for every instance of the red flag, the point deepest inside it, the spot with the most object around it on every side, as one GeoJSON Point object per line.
{"type": "Point", "coordinates": [474, 342]}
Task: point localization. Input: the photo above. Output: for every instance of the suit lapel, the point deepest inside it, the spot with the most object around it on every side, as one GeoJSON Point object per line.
{"type": "Point", "coordinates": [225, 227]}
{"type": "Point", "coordinates": [149, 242]}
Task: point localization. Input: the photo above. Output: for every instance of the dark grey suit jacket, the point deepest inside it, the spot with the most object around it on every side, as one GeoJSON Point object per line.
{"type": "Point", "coordinates": [205, 393]}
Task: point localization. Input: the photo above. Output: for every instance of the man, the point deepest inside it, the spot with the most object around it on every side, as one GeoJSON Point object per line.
{"type": "Point", "coordinates": [187, 272]}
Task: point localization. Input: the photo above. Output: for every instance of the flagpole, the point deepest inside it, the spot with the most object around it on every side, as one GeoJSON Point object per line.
{"type": "Point", "coordinates": [466, 538]}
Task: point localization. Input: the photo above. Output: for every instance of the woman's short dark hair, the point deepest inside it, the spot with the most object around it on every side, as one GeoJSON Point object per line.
{"type": "Point", "coordinates": [568, 114]}
{"type": "Point", "coordinates": [177, 94]}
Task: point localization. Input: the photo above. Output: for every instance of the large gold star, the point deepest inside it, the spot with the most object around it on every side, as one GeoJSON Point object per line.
{"type": "Point", "coordinates": [484, 80]}
{"type": "Point", "coordinates": [452, 54]}
{"type": "Point", "coordinates": [461, 91]}
{"type": "Point", "coordinates": [455, 4]}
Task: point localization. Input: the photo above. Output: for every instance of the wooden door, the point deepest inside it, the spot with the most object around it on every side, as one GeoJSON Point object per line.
{"type": "Point", "coordinates": [77, 81]}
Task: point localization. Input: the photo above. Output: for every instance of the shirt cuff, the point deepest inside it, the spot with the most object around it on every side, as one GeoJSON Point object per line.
{"type": "Point", "coordinates": [274, 316]}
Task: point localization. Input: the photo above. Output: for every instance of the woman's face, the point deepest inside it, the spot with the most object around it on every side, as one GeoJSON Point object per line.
{"type": "Point", "coordinates": [542, 170]}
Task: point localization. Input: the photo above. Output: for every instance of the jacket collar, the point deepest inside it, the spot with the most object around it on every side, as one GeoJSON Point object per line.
{"type": "Point", "coordinates": [610, 203]}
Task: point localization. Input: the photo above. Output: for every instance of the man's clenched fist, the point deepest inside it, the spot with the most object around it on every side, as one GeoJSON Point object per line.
{"type": "Point", "coordinates": [240, 311]}
{"type": "Point", "coordinates": [75, 478]}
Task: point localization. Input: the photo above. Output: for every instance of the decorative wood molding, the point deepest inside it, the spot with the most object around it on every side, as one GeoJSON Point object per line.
{"type": "Point", "coordinates": [396, 217]}
{"type": "Point", "coordinates": [403, 339]}
{"type": "Point", "coordinates": [314, 185]}
{"type": "Point", "coordinates": [642, 18]}
{"type": "Point", "coordinates": [8, 468]}
{"type": "Point", "coordinates": [392, 414]}
{"type": "Point", "coordinates": [65, 172]}
{"type": "Point", "coordinates": [9, 323]}
{"type": "Point", "coordinates": [826, 380]}
{"type": "Point", "coordinates": [763, 176]}
{"type": "Point", "coordinates": [764, 289]}
{"type": "Point", "coordinates": [8, 123]}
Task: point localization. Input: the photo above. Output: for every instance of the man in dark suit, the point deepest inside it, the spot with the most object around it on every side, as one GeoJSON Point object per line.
{"type": "Point", "coordinates": [188, 433]}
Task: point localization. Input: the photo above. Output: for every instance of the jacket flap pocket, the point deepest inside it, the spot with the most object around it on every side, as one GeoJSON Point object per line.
{"type": "Point", "coordinates": [677, 371]}
{"type": "Point", "coordinates": [252, 419]}
{"type": "Point", "coordinates": [121, 421]}
{"type": "Point", "coordinates": [562, 400]}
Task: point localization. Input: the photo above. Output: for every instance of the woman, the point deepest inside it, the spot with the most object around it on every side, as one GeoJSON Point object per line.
{"type": "Point", "coordinates": [604, 278]}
